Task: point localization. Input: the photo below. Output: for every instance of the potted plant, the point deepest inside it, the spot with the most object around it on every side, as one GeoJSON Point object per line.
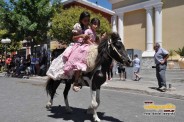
{"type": "Point", "coordinates": [171, 62]}
{"type": "Point", "coordinates": [180, 52]}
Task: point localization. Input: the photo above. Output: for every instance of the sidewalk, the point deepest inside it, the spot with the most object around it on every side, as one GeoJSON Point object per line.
{"type": "Point", "coordinates": [146, 87]}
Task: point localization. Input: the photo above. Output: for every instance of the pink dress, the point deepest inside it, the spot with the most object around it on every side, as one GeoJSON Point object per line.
{"type": "Point", "coordinates": [78, 58]}
{"type": "Point", "coordinates": [56, 69]}
{"type": "Point", "coordinates": [76, 29]}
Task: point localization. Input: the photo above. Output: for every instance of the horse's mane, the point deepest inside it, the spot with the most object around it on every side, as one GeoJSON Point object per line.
{"type": "Point", "coordinates": [101, 52]}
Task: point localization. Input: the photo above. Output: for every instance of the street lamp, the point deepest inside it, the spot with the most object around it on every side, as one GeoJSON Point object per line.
{"type": "Point", "coordinates": [5, 41]}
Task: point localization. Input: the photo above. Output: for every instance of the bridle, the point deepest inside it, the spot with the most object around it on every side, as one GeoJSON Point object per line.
{"type": "Point", "coordinates": [110, 44]}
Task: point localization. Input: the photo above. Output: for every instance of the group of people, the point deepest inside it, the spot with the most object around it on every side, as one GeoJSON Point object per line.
{"type": "Point", "coordinates": [120, 69]}
{"type": "Point", "coordinates": [18, 65]}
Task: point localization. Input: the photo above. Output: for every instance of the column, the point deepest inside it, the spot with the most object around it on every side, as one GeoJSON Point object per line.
{"type": "Point", "coordinates": [121, 27]}
{"type": "Point", "coordinates": [149, 29]}
{"type": "Point", "coordinates": [113, 20]}
{"type": "Point", "coordinates": [149, 52]}
{"type": "Point", "coordinates": [158, 24]}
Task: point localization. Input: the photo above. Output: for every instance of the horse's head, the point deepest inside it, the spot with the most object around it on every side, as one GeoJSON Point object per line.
{"type": "Point", "coordinates": [117, 50]}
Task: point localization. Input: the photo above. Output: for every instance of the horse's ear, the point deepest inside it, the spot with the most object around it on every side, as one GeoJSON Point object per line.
{"type": "Point", "coordinates": [115, 36]}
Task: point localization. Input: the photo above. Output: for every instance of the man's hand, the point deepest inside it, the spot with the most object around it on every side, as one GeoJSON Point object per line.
{"type": "Point", "coordinates": [162, 62]}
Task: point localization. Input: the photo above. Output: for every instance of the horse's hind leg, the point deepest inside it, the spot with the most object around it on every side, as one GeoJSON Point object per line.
{"type": "Point", "coordinates": [53, 88]}
{"type": "Point", "coordinates": [65, 94]}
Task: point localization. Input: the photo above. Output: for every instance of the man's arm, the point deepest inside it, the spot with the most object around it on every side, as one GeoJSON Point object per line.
{"type": "Point", "coordinates": [165, 52]}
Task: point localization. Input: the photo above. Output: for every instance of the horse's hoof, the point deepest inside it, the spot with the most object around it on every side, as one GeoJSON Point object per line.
{"type": "Point", "coordinates": [49, 105]}
{"type": "Point", "coordinates": [97, 120]}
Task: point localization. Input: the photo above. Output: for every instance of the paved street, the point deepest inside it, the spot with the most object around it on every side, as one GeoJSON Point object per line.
{"type": "Point", "coordinates": [24, 101]}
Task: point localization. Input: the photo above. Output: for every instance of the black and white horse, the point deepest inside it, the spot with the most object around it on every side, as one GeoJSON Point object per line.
{"type": "Point", "coordinates": [109, 49]}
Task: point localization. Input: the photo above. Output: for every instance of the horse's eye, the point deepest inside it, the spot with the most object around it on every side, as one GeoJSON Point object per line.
{"type": "Point", "coordinates": [118, 45]}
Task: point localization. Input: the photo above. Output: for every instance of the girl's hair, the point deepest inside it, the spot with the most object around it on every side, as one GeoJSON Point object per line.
{"type": "Point", "coordinates": [95, 21]}
{"type": "Point", "coordinates": [82, 16]}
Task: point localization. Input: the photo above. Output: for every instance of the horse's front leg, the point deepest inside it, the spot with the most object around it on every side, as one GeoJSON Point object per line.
{"type": "Point", "coordinates": [94, 105]}
{"type": "Point", "coordinates": [65, 93]}
{"type": "Point", "coordinates": [98, 97]}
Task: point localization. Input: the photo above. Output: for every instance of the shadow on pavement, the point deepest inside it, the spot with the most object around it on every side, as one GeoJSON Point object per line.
{"type": "Point", "coordinates": [155, 88]}
{"type": "Point", "coordinates": [78, 115]}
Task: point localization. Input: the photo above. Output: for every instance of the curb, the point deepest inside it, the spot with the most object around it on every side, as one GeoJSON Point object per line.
{"type": "Point", "coordinates": [38, 78]}
{"type": "Point", "coordinates": [159, 94]}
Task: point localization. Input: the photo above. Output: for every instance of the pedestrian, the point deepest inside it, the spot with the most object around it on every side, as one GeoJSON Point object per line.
{"type": "Point", "coordinates": [8, 62]}
{"type": "Point", "coordinates": [1, 64]}
{"type": "Point", "coordinates": [121, 70]}
{"type": "Point", "coordinates": [136, 63]}
{"type": "Point", "coordinates": [33, 62]}
{"type": "Point", "coordinates": [28, 64]}
{"type": "Point", "coordinates": [21, 67]}
{"type": "Point", "coordinates": [110, 72]}
{"type": "Point", "coordinates": [37, 64]}
{"type": "Point", "coordinates": [43, 64]}
{"type": "Point", "coordinates": [160, 57]}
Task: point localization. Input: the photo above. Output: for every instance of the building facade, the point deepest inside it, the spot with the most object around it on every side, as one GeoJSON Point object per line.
{"type": "Point", "coordinates": [141, 23]}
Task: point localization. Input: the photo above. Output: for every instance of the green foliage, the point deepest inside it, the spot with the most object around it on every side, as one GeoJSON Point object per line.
{"type": "Point", "coordinates": [14, 46]}
{"type": "Point", "coordinates": [26, 18]}
{"type": "Point", "coordinates": [64, 20]}
{"type": "Point", "coordinates": [180, 51]}
{"type": "Point", "coordinates": [3, 32]}
{"type": "Point", "coordinates": [171, 53]}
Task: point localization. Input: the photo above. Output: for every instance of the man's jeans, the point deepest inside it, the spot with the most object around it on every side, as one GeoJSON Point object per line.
{"type": "Point", "coordinates": [160, 74]}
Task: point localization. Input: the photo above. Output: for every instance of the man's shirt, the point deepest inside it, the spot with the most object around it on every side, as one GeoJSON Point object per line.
{"type": "Point", "coordinates": [160, 55]}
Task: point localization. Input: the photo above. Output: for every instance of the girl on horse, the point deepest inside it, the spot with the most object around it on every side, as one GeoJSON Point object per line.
{"type": "Point", "coordinates": [77, 61]}
{"type": "Point", "coordinates": [55, 70]}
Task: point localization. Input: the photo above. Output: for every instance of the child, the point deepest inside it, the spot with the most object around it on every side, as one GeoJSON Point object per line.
{"type": "Point", "coordinates": [78, 59]}
{"type": "Point", "coordinates": [56, 69]}
{"type": "Point", "coordinates": [136, 63]}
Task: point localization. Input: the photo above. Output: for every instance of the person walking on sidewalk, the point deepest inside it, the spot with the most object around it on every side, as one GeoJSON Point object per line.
{"type": "Point", "coordinates": [161, 56]}
{"type": "Point", "coordinates": [136, 63]}
{"type": "Point", "coordinates": [121, 70]}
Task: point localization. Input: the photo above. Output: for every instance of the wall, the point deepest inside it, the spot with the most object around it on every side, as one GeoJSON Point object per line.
{"type": "Point", "coordinates": [134, 29]}
{"type": "Point", "coordinates": [173, 24]}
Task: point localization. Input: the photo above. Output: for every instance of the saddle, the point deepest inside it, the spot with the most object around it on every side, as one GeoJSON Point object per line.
{"type": "Point", "coordinates": [91, 57]}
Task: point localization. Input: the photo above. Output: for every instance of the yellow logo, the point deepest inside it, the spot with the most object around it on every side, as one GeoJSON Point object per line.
{"type": "Point", "coordinates": [152, 106]}
{"type": "Point", "coordinates": [165, 109]}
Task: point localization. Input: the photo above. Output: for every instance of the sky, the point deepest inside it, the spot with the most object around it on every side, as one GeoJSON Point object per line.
{"type": "Point", "coordinates": [103, 3]}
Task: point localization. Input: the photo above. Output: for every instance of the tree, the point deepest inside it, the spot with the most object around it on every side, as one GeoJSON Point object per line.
{"type": "Point", "coordinates": [64, 19]}
{"type": "Point", "coordinates": [26, 18]}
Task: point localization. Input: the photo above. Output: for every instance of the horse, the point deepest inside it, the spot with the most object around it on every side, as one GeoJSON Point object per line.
{"type": "Point", "coordinates": [109, 49]}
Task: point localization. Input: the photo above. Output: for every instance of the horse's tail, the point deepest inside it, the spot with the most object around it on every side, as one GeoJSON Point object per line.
{"type": "Point", "coordinates": [49, 86]}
